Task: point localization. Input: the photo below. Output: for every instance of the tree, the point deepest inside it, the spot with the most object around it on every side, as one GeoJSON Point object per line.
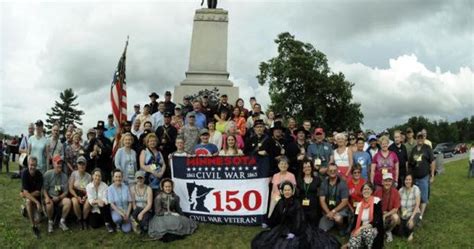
{"type": "Point", "coordinates": [302, 85]}
{"type": "Point", "coordinates": [65, 112]}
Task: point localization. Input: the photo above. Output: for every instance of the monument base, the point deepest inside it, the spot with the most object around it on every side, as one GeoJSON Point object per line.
{"type": "Point", "coordinates": [182, 90]}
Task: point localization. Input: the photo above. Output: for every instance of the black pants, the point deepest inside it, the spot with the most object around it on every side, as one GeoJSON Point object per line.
{"type": "Point", "coordinates": [146, 218]}
{"type": "Point", "coordinates": [97, 220]}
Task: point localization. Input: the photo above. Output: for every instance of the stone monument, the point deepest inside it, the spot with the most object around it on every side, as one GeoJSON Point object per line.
{"type": "Point", "coordinates": [208, 57]}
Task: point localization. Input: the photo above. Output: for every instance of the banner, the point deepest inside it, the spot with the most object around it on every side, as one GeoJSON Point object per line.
{"type": "Point", "coordinates": [222, 189]}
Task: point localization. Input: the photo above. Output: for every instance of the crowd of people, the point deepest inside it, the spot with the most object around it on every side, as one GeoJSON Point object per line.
{"type": "Point", "coordinates": [366, 186]}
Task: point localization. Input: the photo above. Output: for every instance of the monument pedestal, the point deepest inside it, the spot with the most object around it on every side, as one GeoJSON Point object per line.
{"type": "Point", "coordinates": [208, 56]}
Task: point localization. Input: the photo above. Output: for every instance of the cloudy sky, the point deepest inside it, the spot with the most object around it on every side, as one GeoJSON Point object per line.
{"type": "Point", "coordinates": [405, 58]}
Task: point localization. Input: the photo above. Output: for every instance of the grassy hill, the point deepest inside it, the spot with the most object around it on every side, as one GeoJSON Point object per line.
{"type": "Point", "coordinates": [448, 223]}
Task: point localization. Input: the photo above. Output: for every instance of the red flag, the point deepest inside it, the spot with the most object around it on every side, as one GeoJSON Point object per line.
{"type": "Point", "coordinates": [118, 97]}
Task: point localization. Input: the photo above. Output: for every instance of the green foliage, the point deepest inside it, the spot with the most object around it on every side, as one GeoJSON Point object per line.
{"type": "Point", "coordinates": [64, 112]}
{"type": "Point", "coordinates": [213, 96]}
{"type": "Point", "coordinates": [448, 223]}
{"type": "Point", "coordinates": [441, 131]}
{"type": "Point", "coordinates": [302, 85]}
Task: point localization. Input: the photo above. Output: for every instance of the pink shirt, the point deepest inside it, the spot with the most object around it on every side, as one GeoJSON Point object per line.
{"type": "Point", "coordinates": [277, 179]}
{"type": "Point", "coordinates": [383, 164]}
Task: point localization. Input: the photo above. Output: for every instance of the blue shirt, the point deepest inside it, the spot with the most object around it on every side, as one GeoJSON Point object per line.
{"type": "Point", "coordinates": [200, 120]}
{"type": "Point", "coordinates": [127, 163]}
{"type": "Point", "coordinates": [119, 196]}
{"type": "Point", "coordinates": [110, 132]}
{"type": "Point", "coordinates": [205, 149]}
{"type": "Point", "coordinates": [323, 151]}
{"type": "Point", "coordinates": [158, 161]}
{"type": "Point", "coordinates": [363, 158]}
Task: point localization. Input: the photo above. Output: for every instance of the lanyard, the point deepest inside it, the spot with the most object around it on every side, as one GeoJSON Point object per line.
{"type": "Point", "coordinates": [407, 196]}
{"type": "Point", "coordinates": [306, 187]}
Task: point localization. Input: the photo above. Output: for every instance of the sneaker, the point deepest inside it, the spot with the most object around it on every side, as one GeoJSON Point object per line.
{"type": "Point", "coordinates": [36, 232]}
{"type": "Point", "coordinates": [110, 229]}
{"type": "Point", "coordinates": [264, 225]}
{"type": "Point", "coordinates": [50, 226]}
{"type": "Point", "coordinates": [389, 237]}
{"type": "Point", "coordinates": [63, 226]}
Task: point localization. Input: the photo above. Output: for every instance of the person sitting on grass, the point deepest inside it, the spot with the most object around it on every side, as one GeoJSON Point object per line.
{"type": "Point", "coordinates": [55, 194]}
{"type": "Point", "coordinates": [77, 188]}
{"type": "Point", "coordinates": [169, 223]}
{"type": "Point", "coordinates": [333, 198]}
{"type": "Point", "coordinates": [118, 195]}
{"type": "Point", "coordinates": [390, 204]}
{"type": "Point", "coordinates": [31, 185]}
{"type": "Point", "coordinates": [289, 228]}
{"type": "Point", "coordinates": [97, 198]}
{"type": "Point", "coordinates": [410, 206]}
{"type": "Point", "coordinates": [142, 203]}
{"type": "Point", "coordinates": [367, 227]}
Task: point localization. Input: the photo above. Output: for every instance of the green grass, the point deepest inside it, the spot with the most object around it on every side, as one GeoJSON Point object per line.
{"type": "Point", "coordinates": [448, 223]}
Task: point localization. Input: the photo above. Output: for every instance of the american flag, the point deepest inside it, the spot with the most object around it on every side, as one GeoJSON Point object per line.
{"type": "Point", "coordinates": [118, 97]}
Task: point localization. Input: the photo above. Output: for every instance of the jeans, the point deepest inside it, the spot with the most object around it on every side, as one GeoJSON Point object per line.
{"type": "Point", "coordinates": [424, 186]}
{"type": "Point", "coordinates": [118, 220]}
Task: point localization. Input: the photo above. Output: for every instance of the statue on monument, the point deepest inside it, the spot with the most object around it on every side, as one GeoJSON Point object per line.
{"type": "Point", "coordinates": [211, 4]}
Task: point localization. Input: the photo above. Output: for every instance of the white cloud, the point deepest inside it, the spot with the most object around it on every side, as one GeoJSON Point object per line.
{"type": "Point", "coordinates": [407, 88]}
{"type": "Point", "coordinates": [47, 47]}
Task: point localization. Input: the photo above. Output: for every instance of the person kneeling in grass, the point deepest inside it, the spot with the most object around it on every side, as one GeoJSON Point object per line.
{"type": "Point", "coordinates": [118, 195]}
{"type": "Point", "coordinates": [31, 184]}
{"type": "Point", "coordinates": [390, 204]}
{"type": "Point", "coordinates": [55, 194]}
{"type": "Point", "coordinates": [410, 206]}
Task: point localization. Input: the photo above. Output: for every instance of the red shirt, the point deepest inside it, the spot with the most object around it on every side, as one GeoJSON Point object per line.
{"type": "Point", "coordinates": [355, 193]}
{"type": "Point", "coordinates": [390, 199]}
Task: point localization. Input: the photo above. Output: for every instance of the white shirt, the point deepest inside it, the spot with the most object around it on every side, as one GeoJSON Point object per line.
{"type": "Point", "coordinates": [92, 195]}
{"type": "Point", "coordinates": [158, 119]}
{"type": "Point", "coordinates": [365, 213]}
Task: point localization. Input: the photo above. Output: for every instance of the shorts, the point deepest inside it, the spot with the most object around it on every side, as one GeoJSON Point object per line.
{"type": "Point", "coordinates": [326, 224]}
{"type": "Point", "coordinates": [424, 186]}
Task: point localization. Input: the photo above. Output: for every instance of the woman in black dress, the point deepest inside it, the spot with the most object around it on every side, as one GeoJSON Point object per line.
{"type": "Point", "coordinates": [289, 228]}
{"type": "Point", "coordinates": [307, 193]}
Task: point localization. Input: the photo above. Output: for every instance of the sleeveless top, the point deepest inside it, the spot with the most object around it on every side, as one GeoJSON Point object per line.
{"type": "Point", "coordinates": [141, 200]}
{"type": "Point", "coordinates": [150, 159]}
{"type": "Point", "coordinates": [342, 161]}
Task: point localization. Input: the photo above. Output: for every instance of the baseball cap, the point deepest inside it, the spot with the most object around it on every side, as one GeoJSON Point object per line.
{"type": "Point", "coordinates": [81, 159]}
{"type": "Point", "coordinates": [140, 173]}
{"type": "Point", "coordinates": [57, 159]}
{"type": "Point", "coordinates": [204, 132]}
{"type": "Point", "coordinates": [387, 176]}
{"type": "Point", "coordinates": [372, 137]}
{"type": "Point", "coordinates": [318, 131]}
{"type": "Point", "coordinates": [39, 122]}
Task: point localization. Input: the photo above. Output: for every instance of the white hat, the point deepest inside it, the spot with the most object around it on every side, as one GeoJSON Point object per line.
{"type": "Point", "coordinates": [387, 176]}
